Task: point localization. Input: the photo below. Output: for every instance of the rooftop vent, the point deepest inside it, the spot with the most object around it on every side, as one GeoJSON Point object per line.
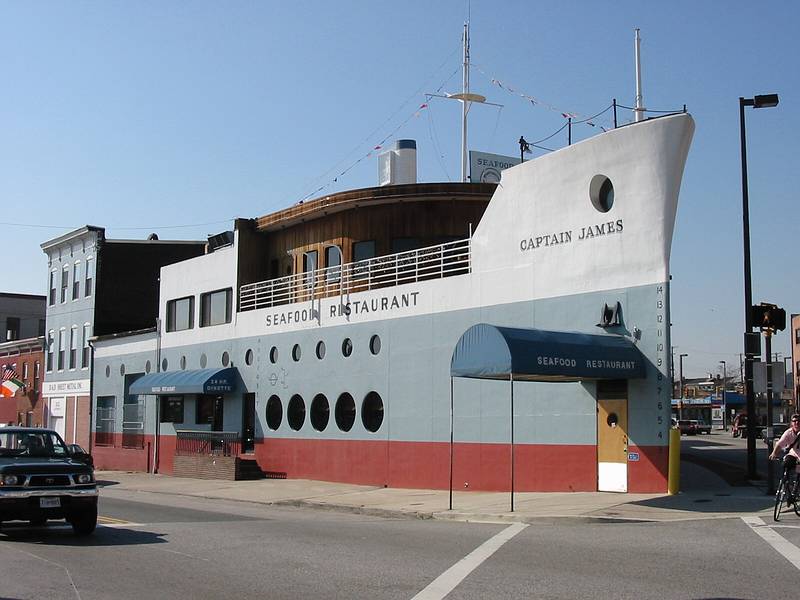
{"type": "Point", "coordinates": [399, 164]}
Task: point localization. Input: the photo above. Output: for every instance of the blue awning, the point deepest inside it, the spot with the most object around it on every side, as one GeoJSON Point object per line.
{"type": "Point", "coordinates": [200, 381]}
{"type": "Point", "coordinates": [490, 352]}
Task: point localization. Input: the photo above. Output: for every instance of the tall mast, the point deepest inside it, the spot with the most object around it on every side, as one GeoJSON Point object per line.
{"type": "Point", "coordinates": [639, 110]}
{"type": "Point", "coordinates": [464, 105]}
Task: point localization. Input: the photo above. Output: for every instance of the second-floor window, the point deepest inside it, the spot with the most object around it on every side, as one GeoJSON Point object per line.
{"type": "Point", "coordinates": [51, 342]}
{"type": "Point", "coordinates": [62, 347]}
{"type": "Point", "coordinates": [52, 297]}
{"type": "Point", "coordinates": [87, 333]}
{"type": "Point", "coordinates": [215, 308]}
{"type": "Point", "coordinates": [73, 347]}
{"type": "Point", "coordinates": [12, 328]}
{"type": "Point", "coordinates": [180, 314]}
{"type": "Point", "coordinates": [89, 275]}
{"type": "Point", "coordinates": [64, 282]}
{"type": "Point", "coordinates": [76, 280]}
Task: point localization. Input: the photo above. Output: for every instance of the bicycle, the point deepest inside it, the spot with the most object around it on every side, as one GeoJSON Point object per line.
{"type": "Point", "coordinates": [788, 493]}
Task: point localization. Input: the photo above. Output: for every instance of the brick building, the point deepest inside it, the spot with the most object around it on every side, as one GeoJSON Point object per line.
{"type": "Point", "coordinates": [26, 358]}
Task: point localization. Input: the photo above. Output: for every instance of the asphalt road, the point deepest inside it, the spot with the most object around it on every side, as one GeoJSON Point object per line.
{"type": "Point", "coordinates": [158, 546]}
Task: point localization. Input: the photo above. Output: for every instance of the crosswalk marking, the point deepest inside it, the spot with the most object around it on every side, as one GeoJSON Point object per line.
{"type": "Point", "coordinates": [781, 545]}
{"type": "Point", "coordinates": [447, 581]}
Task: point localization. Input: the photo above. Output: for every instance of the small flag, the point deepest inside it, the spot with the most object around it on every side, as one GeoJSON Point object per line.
{"type": "Point", "coordinates": [11, 382]}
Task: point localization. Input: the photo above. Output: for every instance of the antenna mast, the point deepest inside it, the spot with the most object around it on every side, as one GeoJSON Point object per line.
{"type": "Point", "coordinates": [639, 110]}
{"type": "Point", "coordinates": [464, 104]}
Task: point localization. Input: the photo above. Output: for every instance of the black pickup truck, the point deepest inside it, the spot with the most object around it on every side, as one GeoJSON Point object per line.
{"type": "Point", "coordinates": [42, 478]}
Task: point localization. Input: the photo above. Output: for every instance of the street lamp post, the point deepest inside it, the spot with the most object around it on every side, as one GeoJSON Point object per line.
{"type": "Point", "coordinates": [762, 101]}
{"type": "Point", "coordinates": [680, 375]}
{"type": "Point", "coordinates": [724, 404]}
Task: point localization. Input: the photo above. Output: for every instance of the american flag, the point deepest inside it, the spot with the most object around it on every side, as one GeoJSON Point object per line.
{"type": "Point", "coordinates": [9, 373]}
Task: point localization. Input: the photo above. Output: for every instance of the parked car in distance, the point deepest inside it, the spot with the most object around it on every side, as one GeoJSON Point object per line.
{"type": "Point", "coordinates": [777, 431]}
{"type": "Point", "coordinates": [687, 427]}
{"type": "Point", "coordinates": [703, 427]}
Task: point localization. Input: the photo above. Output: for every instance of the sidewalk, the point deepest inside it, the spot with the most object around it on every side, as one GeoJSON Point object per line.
{"type": "Point", "coordinates": [706, 496]}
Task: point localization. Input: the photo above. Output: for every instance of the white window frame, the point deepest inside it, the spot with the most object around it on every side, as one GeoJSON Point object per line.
{"type": "Point", "coordinates": [76, 280]}
{"type": "Point", "coordinates": [88, 278]}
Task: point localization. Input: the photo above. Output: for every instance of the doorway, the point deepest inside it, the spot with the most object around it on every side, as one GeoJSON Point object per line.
{"type": "Point", "coordinates": [248, 423]}
{"type": "Point", "coordinates": [612, 436]}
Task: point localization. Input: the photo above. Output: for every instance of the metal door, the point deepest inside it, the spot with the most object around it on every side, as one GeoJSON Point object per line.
{"type": "Point", "coordinates": [612, 440]}
{"type": "Point", "coordinates": [248, 422]}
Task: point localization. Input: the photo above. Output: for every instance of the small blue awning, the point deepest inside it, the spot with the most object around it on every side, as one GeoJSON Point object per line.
{"type": "Point", "coordinates": [490, 352]}
{"type": "Point", "coordinates": [199, 381]}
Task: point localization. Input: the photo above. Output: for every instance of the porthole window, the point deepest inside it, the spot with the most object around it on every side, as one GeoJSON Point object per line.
{"type": "Point", "coordinates": [375, 344]}
{"type": "Point", "coordinates": [273, 355]}
{"type": "Point", "coordinates": [108, 370]}
{"type": "Point", "coordinates": [320, 412]}
{"type": "Point", "coordinates": [274, 412]}
{"type": "Point", "coordinates": [320, 349]}
{"type": "Point", "coordinates": [183, 363]}
{"type": "Point", "coordinates": [122, 370]}
{"type": "Point", "coordinates": [296, 352]}
{"type": "Point", "coordinates": [296, 412]}
{"type": "Point", "coordinates": [347, 347]}
{"type": "Point", "coordinates": [601, 193]}
{"type": "Point", "coordinates": [248, 357]}
{"type": "Point", "coordinates": [147, 367]}
{"type": "Point", "coordinates": [203, 360]}
{"type": "Point", "coordinates": [372, 412]}
{"type": "Point", "coordinates": [164, 364]}
{"type": "Point", "coordinates": [345, 412]}
{"type": "Point", "coordinates": [225, 359]}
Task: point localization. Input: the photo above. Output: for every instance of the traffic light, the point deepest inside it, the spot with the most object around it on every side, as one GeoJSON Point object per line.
{"type": "Point", "coordinates": [769, 317]}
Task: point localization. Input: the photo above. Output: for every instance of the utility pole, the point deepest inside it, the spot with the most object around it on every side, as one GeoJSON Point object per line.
{"type": "Point", "coordinates": [680, 402]}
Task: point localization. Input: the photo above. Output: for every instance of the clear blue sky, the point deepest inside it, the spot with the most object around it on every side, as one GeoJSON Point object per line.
{"type": "Point", "coordinates": [151, 116]}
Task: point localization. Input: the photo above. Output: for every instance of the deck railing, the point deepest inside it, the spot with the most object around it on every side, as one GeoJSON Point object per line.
{"type": "Point", "coordinates": [433, 262]}
{"type": "Point", "coordinates": [207, 443]}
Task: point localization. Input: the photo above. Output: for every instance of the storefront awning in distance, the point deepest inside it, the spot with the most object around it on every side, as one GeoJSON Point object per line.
{"type": "Point", "coordinates": [489, 352]}
{"type": "Point", "coordinates": [199, 381]}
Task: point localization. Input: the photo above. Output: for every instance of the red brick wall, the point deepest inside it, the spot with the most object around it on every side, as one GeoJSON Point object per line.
{"type": "Point", "coordinates": [28, 400]}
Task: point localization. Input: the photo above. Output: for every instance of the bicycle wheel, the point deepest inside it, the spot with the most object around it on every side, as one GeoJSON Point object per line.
{"type": "Point", "coordinates": [796, 495]}
{"type": "Point", "coordinates": [780, 494]}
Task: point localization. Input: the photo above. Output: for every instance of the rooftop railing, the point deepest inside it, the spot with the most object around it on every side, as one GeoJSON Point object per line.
{"type": "Point", "coordinates": [433, 262]}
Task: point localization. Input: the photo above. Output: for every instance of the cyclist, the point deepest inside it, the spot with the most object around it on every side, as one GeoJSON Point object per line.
{"type": "Point", "coordinates": [789, 440]}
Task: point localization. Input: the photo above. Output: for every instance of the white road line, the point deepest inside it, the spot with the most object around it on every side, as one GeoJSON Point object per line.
{"type": "Point", "coordinates": [783, 546]}
{"type": "Point", "coordinates": [447, 581]}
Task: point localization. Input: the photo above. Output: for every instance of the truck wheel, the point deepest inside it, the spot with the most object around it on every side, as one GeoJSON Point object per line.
{"type": "Point", "coordinates": [84, 523]}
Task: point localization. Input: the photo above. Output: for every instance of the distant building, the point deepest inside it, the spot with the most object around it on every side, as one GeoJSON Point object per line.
{"type": "Point", "coordinates": [21, 316]}
{"type": "Point", "coordinates": [96, 286]}
{"type": "Point", "coordinates": [25, 357]}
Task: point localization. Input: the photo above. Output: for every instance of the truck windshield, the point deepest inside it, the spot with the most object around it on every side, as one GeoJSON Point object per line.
{"type": "Point", "coordinates": [42, 444]}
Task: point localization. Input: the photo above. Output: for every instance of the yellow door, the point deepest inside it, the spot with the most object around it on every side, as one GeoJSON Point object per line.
{"type": "Point", "coordinates": [612, 445]}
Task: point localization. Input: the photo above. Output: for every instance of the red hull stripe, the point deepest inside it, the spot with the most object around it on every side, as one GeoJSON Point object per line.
{"type": "Point", "coordinates": [424, 465]}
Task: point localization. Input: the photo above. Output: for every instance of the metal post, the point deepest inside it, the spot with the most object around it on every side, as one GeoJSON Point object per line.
{"type": "Point", "coordinates": [569, 131]}
{"type": "Point", "coordinates": [770, 464]}
{"type": "Point", "coordinates": [614, 102]}
{"type": "Point", "coordinates": [511, 379]}
{"type": "Point", "coordinates": [748, 304]}
{"type": "Point", "coordinates": [724, 398]}
{"type": "Point", "coordinates": [451, 443]}
{"type": "Point", "coordinates": [680, 405]}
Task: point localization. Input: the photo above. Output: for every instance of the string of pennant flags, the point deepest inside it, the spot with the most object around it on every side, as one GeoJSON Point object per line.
{"type": "Point", "coordinates": [534, 101]}
{"type": "Point", "coordinates": [376, 148]}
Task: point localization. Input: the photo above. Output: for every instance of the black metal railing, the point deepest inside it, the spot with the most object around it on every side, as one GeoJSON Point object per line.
{"type": "Point", "coordinates": [208, 443]}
